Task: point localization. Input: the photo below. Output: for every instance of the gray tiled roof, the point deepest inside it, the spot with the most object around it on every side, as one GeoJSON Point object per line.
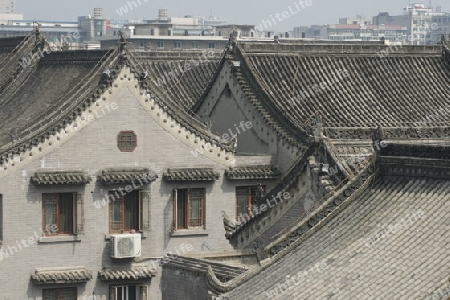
{"type": "Point", "coordinates": [187, 89]}
{"type": "Point", "coordinates": [60, 177]}
{"type": "Point", "coordinates": [390, 242]}
{"type": "Point", "coordinates": [252, 172]}
{"type": "Point", "coordinates": [7, 54]}
{"type": "Point", "coordinates": [133, 273]}
{"type": "Point", "coordinates": [69, 275]}
{"type": "Point", "coordinates": [191, 174]}
{"type": "Point", "coordinates": [57, 99]}
{"type": "Point", "coordinates": [358, 74]}
{"type": "Point", "coordinates": [127, 176]}
{"type": "Point", "coordinates": [200, 266]}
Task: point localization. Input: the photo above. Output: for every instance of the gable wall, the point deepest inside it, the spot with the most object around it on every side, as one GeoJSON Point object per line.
{"type": "Point", "coordinates": [228, 117]}
{"type": "Point", "coordinates": [217, 107]}
{"type": "Point", "coordinates": [92, 149]}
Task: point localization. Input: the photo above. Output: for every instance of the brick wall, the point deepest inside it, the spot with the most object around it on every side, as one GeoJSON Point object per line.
{"type": "Point", "coordinates": [92, 149]}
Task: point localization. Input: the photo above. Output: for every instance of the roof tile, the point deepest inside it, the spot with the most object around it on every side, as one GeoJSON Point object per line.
{"type": "Point", "coordinates": [389, 240]}
{"type": "Point", "coordinates": [60, 177]}
{"type": "Point", "coordinates": [191, 174]}
{"type": "Point", "coordinates": [126, 176]}
{"type": "Point", "coordinates": [75, 275]}
{"type": "Point", "coordinates": [252, 172]}
{"type": "Point", "coordinates": [133, 273]}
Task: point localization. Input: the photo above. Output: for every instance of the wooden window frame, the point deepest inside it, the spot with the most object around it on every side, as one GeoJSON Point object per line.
{"type": "Point", "coordinates": [72, 289]}
{"type": "Point", "coordinates": [77, 220]}
{"type": "Point", "coordinates": [188, 209]}
{"type": "Point", "coordinates": [250, 198]}
{"type": "Point", "coordinates": [122, 199]}
{"type": "Point", "coordinates": [120, 143]}
{"type": "Point", "coordinates": [143, 212]}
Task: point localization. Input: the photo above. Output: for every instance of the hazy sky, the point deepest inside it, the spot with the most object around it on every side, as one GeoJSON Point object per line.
{"type": "Point", "coordinates": [237, 11]}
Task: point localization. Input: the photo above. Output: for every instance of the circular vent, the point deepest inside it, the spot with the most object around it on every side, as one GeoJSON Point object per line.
{"type": "Point", "coordinates": [125, 247]}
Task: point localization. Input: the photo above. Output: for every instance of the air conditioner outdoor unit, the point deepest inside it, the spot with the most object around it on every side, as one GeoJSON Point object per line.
{"type": "Point", "coordinates": [125, 245]}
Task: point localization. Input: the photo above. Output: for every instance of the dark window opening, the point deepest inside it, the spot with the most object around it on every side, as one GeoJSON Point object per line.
{"type": "Point", "coordinates": [246, 198]}
{"type": "Point", "coordinates": [189, 208]}
{"type": "Point", "coordinates": [124, 212]}
{"type": "Point", "coordinates": [60, 294]}
{"type": "Point", "coordinates": [58, 213]}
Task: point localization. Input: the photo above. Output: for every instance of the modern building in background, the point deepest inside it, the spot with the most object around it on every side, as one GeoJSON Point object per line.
{"type": "Point", "coordinates": [173, 33]}
{"type": "Point", "coordinates": [189, 25]}
{"type": "Point", "coordinates": [158, 43]}
{"type": "Point", "coordinates": [384, 18]}
{"type": "Point", "coordinates": [236, 30]}
{"type": "Point", "coordinates": [175, 26]}
{"type": "Point", "coordinates": [163, 33]}
{"type": "Point", "coordinates": [7, 11]}
{"type": "Point", "coordinates": [418, 25]}
{"type": "Point", "coordinates": [84, 33]}
{"type": "Point", "coordinates": [443, 26]}
{"type": "Point", "coordinates": [7, 6]}
{"type": "Point", "coordinates": [425, 24]}
{"type": "Point", "coordinates": [364, 32]}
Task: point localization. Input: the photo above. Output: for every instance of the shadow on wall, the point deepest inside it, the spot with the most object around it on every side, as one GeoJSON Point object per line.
{"type": "Point", "coordinates": [176, 284]}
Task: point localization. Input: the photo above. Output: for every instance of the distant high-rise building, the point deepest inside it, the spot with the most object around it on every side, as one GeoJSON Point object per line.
{"type": "Point", "coordinates": [418, 25]}
{"type": "Point", "coordinates": [98, 13]}
{"type": "Point", "coordinates": [425, 24]}
{"type": "Point", "coordinates": [7, 6]}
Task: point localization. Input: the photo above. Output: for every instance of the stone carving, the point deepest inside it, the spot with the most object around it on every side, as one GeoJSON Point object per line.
{"type": "Point", "coordinates": [324, 212]}
{"type": "Point", "coordinates": [230, 227]}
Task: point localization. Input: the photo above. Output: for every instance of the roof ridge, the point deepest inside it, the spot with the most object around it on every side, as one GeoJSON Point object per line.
{"type": "Point", "coordinates": [415, 167]}
{"type": "Point", "coordinates": [331, 48]}
{"type": "Point", "coordinates": [407, 133]}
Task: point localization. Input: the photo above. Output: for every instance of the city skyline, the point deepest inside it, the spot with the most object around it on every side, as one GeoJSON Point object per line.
{"type": "Point", "coordinates": [317, 12]}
